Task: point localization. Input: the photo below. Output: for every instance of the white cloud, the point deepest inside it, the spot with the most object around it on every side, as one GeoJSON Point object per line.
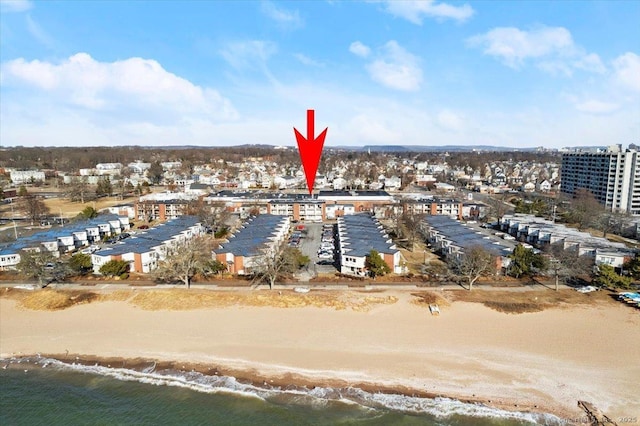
{"type": "Point", "coordinates": [513, 46]}
{"type": "Point", "coordinates": [627, 71]}
{"type": "Point", "coordinates": [305, 60]}
{"type": "Point", "coordinates": [556, 67]}
{"type": "Point", "coordinates": [551, 49]}
{"type": "Point", "coordinates": [449, 120]}
{"type": "Point", "coordinates": [139, 86]}
{"type": "Point", "coordinates": [78, 102]}
{"type": "Point", "coordinates": [372, 130]}
{"type": "Point", "coordinates": [396, 68]}
{"type": "Point", "coordinates": [590, 62]}
{"type": "Point", "coordinates": [38, 32]}
{"type": "Point", "coordinates": [249, 54]}
{"type": "Point", "coordinates": [593, 106]}
{"type": "Point", "coordinates": [285, 18]}
{"type": "Point", "coordinates": [359, 49]}
{"type": "Point", "coordinates": [416, 10]}
{"type": "Point", "coordinates": [9, 6]}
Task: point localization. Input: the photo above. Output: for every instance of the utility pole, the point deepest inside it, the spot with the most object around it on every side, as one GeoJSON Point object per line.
{"type": "Point", "coordinates": [13, 218]}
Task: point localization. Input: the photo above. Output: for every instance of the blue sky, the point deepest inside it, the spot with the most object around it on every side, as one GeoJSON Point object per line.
{"type": "Point", "coordinates": [504, 73]}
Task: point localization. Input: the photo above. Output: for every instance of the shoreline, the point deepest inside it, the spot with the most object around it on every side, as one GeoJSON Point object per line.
{"type": "Point", "coordinates": [537, 362]}
{"type": "Point", "coordinates": [286, 381]}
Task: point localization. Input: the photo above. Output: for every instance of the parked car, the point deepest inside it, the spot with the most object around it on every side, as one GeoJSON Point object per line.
{"type": "Point", "coordinates": [325, 262]}
{"type": "Point", "coordinates": [325, 255]}
{"type": "Point", "coordinates": [89, 250]}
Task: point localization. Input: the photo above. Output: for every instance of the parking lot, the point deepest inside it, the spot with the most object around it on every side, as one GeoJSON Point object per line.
{"type": "Point", "coordinates": [309, 246]}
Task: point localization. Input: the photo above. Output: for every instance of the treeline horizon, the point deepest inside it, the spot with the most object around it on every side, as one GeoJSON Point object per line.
{"type": "Point", "coordinates": [70, 159]}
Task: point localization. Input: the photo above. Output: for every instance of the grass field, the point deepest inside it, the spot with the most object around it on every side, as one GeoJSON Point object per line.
{"type": "Point", "coordinates": [66, 208]}
{"type": "Point", "coordinates": [59, 205]}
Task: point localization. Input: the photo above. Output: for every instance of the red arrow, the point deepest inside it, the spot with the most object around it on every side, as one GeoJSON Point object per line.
{"type": "Point", "coordinates": [310, 149]}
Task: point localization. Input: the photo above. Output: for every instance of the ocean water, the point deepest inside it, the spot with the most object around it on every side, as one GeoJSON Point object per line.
{"type": "Point", "coordinates": [53, 393]}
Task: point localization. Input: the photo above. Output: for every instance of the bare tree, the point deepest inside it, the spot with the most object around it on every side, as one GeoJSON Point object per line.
{"type": "Point", "coordinates": [186, 260]}
{"type": "Point", "coordinates": [212, 216]}
{"type": "Point", "coordinates": [498, 206]}
{"type": "Point", "coordinates": [612, 222]}
{"type": "Point", "coordinates": [584, 209]}
{"type": "Point", "coordinates": [36, 209]}
{"type": "Point", "coordinates": [474, 263]}
{"type": "Point", "coordinates": [411, 222]}
{"type": "Point", "coordinates": [155, 173]}
{"type": "Point", "coordinates": [36, 264]}
{"type": "Point", "coordinates": [78, 190]}
{"type": "Point", "coordinates": [274, 265]}
{"type": "Point", "coordinates": [565, 263]}
{"type": "Point", "coordinates": [395, 220]}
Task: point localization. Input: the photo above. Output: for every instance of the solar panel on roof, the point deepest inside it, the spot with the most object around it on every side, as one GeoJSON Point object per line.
{"type": "Point", "coordinates": [255, 235]}
{"type": "Point", "coordinates": [361, 234]}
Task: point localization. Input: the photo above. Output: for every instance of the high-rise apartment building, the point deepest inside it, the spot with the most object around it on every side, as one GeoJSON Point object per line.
{"type": "Point", "coordinates": [612, 176]}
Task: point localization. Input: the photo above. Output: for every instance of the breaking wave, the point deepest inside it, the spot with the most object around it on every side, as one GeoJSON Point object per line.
{"type": "Point", "coordinates": [317, 397]}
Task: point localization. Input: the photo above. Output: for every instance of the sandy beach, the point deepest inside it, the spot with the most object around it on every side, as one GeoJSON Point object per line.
{"type": "Point", "coordinates": [541, 361]}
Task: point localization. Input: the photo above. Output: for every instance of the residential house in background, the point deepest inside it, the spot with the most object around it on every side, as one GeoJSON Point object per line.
{"type": "Point", "coordinates": [19, 177]}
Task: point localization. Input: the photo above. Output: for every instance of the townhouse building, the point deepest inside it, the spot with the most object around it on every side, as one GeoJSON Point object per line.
{"type": "Point", "coordinates": [146, 249]}
{"type": "Point", "coordinates": [260, 236]}
{"type": "Point", "coordinates": [359, 234]}
{"type": "Point", "coordinates": [540, 232]}
{"type": "Point", "coordinates": [452, 239]}
{"type": "Point", "coordinates": [65, 239]}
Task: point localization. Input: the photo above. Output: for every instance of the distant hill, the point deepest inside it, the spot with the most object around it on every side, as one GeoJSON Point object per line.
{"type": "Point", "coordinates": [379, 148]}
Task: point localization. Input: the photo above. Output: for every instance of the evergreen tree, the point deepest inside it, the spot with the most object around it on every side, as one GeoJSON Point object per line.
{"type": "Point", "coordinates": [524, 262]}
{"type": "Point", "coordinates": [115, 268]}
{"type": "Point", "coordinates": [608, 278]}
{"type": "Point", "coordinates": [633, 267]}
{"type": "Point", "coordinates": [376, 264]}
{"type": "Point", "coordinates": [80, 263]}
{"type": "Point", "coordinates": [88, 213]}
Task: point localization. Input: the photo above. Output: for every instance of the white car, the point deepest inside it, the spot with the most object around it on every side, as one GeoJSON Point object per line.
{"type": "Point", "coordinates": [587, 289]}
{"type": "Point", "coordinates": [325, 255]}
